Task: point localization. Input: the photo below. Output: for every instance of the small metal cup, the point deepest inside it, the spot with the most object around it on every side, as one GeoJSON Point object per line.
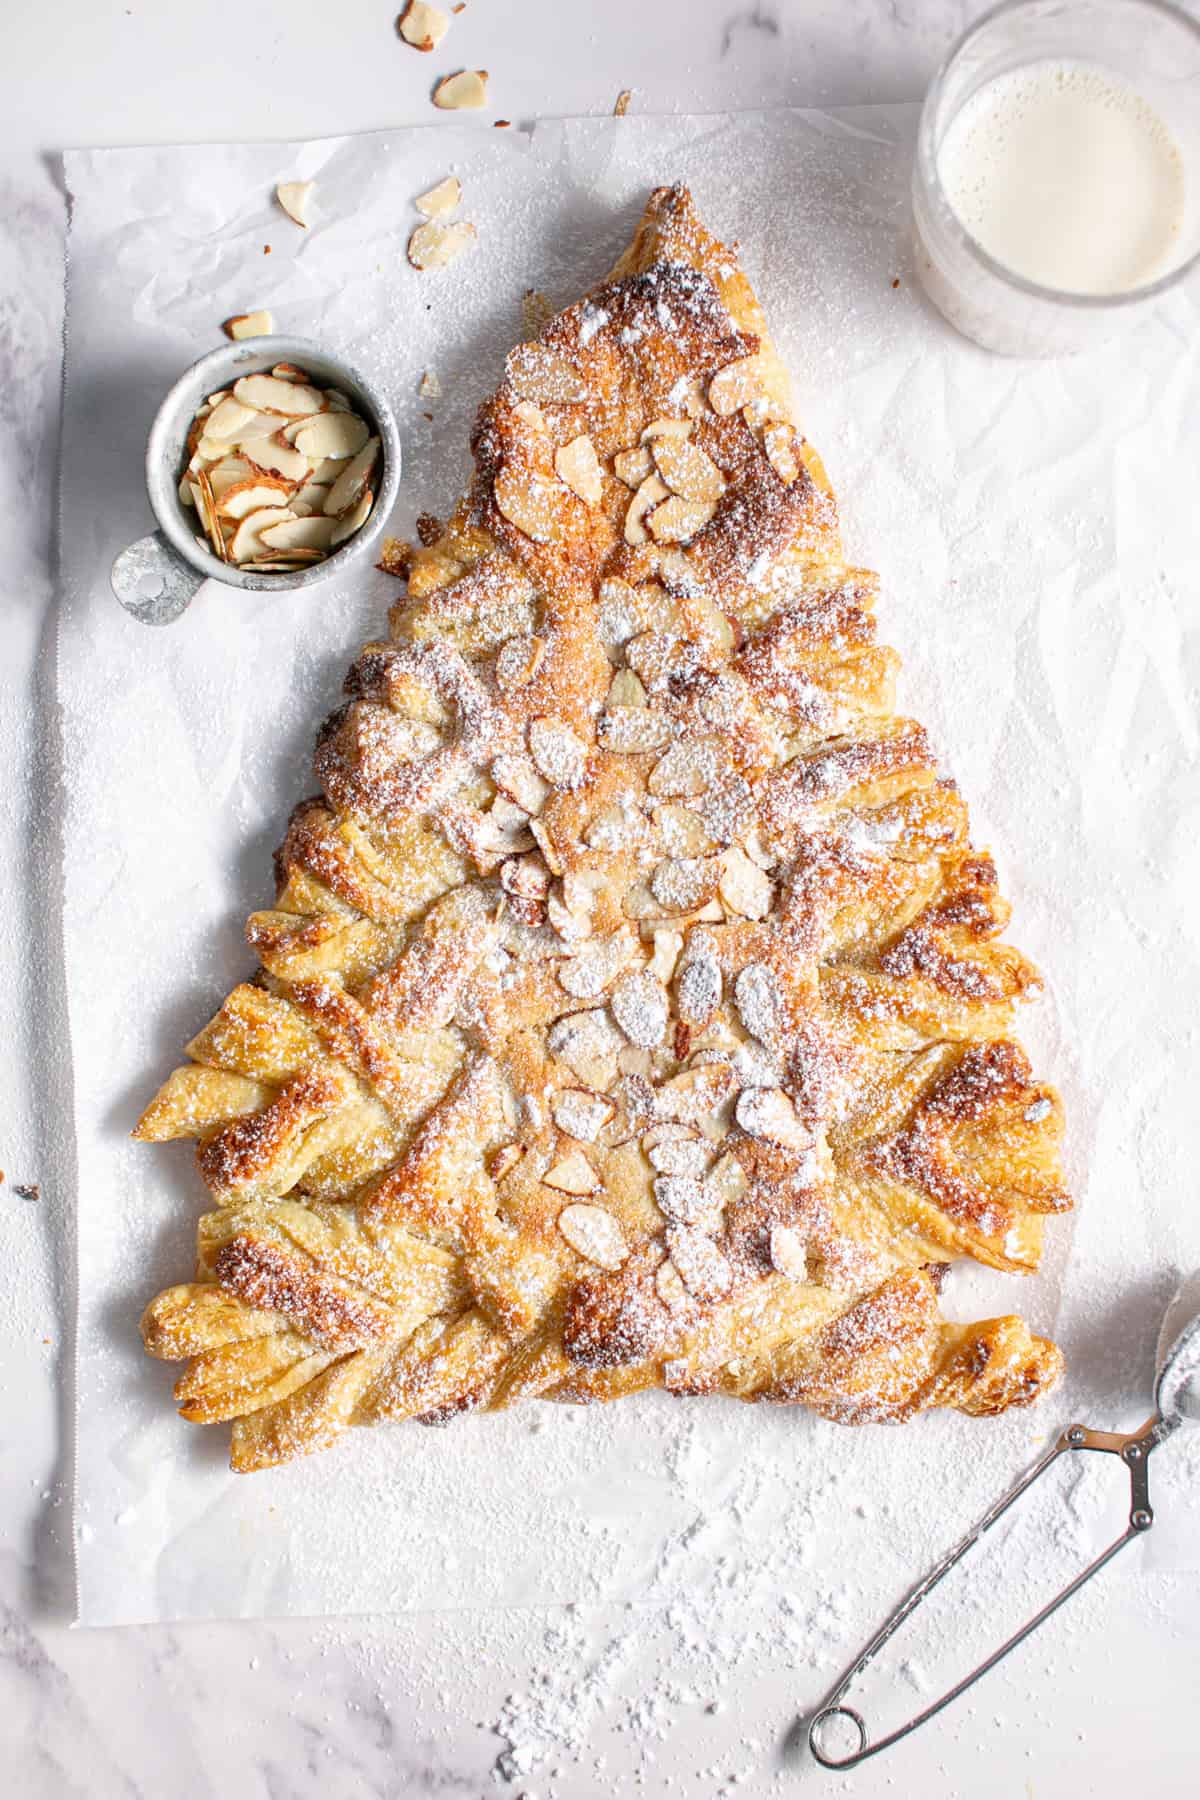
{"type": "Point", "coordinates": [157, 577]}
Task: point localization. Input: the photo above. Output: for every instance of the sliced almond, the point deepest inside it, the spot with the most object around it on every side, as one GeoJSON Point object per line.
{"type": "Point", "coordinates": [505, 1160]}
{"type": "Point", "coordinates": [651, 492]}
{"type": "Point", "coordinates": [435, 245]}
{"type": "Point", "coordinates": [698, 983]}
{"type": "Point", "coordinates": [687, 470]}
{"type": "Point", "coordinates": [670, 1289]}
{"type": "Point", "coordinates": [681, 831]}
{"type": "Point", "coordinates": [675, 1150]}
{"type": "Point", "coordinates": [534, 505]}
{"type": "Point", "coordinates": [268, 393]}
{"type": "Point", "coordinates": [633, 730]}
{"type": "Point", "coordinates": [777, 442]}
{"type": "Point", "coordinates": [293, 197]}
{"type": "Point", "coordinates": [745, 889]}
{"type": "Point", "coordinates": [249, 325]}
{"type": "Point", "coordinates": [559, 754]}
{"type": "Point", "coordinates": [247, 539]}
{"type": "Point", "coordinates": [667, 945]}
{"type": "Point", "coordinates": [313, 533]}
{"type": "Point", "coordinates": [582, 1114]}
{"type": "Point", "coordinates": [666, 428]}
{"type": "Point", "coordinates": [572, 1174]}
{"type": "Point", "coordinates": [690, 769]}
{"type": "Point", "coordinates": [228, 474]}
{"type": "Point", "coordinates": [578, 465]}
{"type": "Point", "coordinates": [275, 458]}
{"type": "Point", "coordinates": [281, 560]}
{"type": "Point", "coordinates": [334, 399]}
{"type": "Point", "coordinates": [588, 1043]}
{"type": "Point", "coordinates": [466, 89]}
{"type": "Point", "coordinates": [516, 776]}
{"type": "Point", "coordinates": [229, 418]}
{"type": "Point", "coordinates": [621, 103]}
{"type": "Point", "coordinates": [251, 495]}
{"type": "Point", "coordinates": [727, 1180]}
{"type": "Point", "coordinates": [504, 829]}
{"type": "Point", "coordinates": [286, 371]}
{"type": "Point", "coordinates": [310, 498]}
{"type": "Point", "coordinates": [759, 1001]}
{"type": "Point", "coordinates": [767, 1112]}
{"type": "Point", "coordinates": [595, 965]}
{"type": "Point", "coordinates": [350, 483]}
{"type": "Point", "coordinates": [703, 1269]}
{"type": "Point", "coordinates": [352, 521]}
{"type": "Point", "coordinates": [632, 466]}
{"type": "Point", "coordinates": [438, 201]}
{"type": "Point", "coordinates": [547, 846]}
{"type": "Point", "coordinates": [640, 1006]}
{"type": "Point", "coordinates": [625, 689]}
{"type": "Point", "coordinates": [595, 1233]}
{"type": "Point", "coordinates": [788, 1252]}
{"type": "Point", "coordinates": [678, 521]}
{"type": "Point", "coordinates": [682, 883]}
{"type": "Point", "coordinates": [430, 387]}
{"type": "Point", "coordinates": [207, 508]}
{"type": "Point", "coordinates": [423, 26]}
{"type": "Point", "coordinates": [685, 1200]}
{"type": "Point", "coordinates": [734, 386]}
{"type": "Point", "coordinates": [332, 434]}
{"type": "Point", "coordinates": [543, 376]}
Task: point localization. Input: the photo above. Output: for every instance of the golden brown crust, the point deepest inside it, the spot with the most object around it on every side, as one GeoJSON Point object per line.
{"type": "Point", "coordinates": [632, 1011]}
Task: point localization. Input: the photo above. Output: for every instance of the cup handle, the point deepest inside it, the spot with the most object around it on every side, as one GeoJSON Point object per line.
{"type": "Point", "coordinates": [153, 582]}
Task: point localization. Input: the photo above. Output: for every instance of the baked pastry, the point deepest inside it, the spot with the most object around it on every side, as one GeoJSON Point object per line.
{"type": "Point", "coordinates": [631, 1013]}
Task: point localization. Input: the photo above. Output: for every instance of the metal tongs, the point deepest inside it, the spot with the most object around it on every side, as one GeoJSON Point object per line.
{"type": "Point", "coordinates": [1177, 1402]}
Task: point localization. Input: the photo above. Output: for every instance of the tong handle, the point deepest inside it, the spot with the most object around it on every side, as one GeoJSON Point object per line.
{"type": "Point", "coordinates": [1134, 1450]}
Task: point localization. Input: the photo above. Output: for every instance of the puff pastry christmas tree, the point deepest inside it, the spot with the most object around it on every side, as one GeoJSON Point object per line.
{"type": "Point", "coordinates": [631, 1013]}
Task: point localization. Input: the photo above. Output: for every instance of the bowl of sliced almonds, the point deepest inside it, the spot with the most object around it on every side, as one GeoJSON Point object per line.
{"type": "Point", "coordinates": [271, 464]}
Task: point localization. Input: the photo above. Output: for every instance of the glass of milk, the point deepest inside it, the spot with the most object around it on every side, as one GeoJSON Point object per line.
{"type": "Point", "coordinates": [1056, 191]}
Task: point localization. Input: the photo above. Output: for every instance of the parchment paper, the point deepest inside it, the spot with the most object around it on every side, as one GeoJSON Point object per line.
{"type": "Point", "coordinates": [1035, 526]}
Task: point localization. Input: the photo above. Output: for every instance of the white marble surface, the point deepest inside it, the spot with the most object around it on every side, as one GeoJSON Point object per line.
{"type": "Point", "coordinates": [406, 1706]}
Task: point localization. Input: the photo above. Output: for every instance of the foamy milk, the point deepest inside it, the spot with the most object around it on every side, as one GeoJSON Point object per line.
{"type": "Point", "coordinates": [1068, 177]}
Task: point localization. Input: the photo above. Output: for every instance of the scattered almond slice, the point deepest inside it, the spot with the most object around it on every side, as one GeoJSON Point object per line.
{"type": "Point", "coordinates": [354, 520]}
{"type": "Point", "coordinates": [286, 371]}
{"type": "Point", "coordinates": [293, 197]}
{"type": "Point", "coordinates": [704, 1269]}
{"type": "Point", "coordinates": [777, 442]}
{"type": "Point", "coordinates": [434, 246]}
{"type": "Point", "coordinates": [559, 754]}
{"type": "Point", "coordinates": [682, 883]}
{"type": "Point", "coordinates": [582, 1114]}
{"type": "Point", "coordinates": [349, 484]}
{"type": "Point", "coordinates": [666, 428]}
{"type": "Point", "coordinates": [423, 26]}
{"type": "Point", "coordinates": [331, 434]}
{"type": "Point", "coordinates": [249, 325]}
{"type": "Point", "coordinates": [516, 776]}
{"type": "Point", "coordinates": [314, 533]}
{"type": "Point", "coordinates": [641, 1008]}
{"type": "Point", "coordinates": [621, 104]}
{"type": "Point", "coordinates": [579, 467]}
{"type": "Point", "coordinates": [767, 1112]}
{"type": "Point", "coordinates": [633, 730]}
{"type": "Point", "coordinates": [687, 470]}
{"type": "Point", "coordinates": [247, 541]}
{"type": "Point", "coordinates": [632, 466]}
{"type": "Point", "coordinates": [595, 965]}
{"type": "Point", "coordinates": [788, 1252]}
{"type": "Point", "coordinates": [542, 375]}
{"type": "Point", "coordinates": [519, 661]}
{"type": "Point", "coordinates": [251, 495]}
{"type": "Point", "coordinates": [734, 386]}
{"type": "Point", "coordinates": [745, 889]}
{"type": "Point", "coordinates": [431, 387]}
{"type": "Point", "coordinates": [670, 1289]}
{"type": "Point", "coordinates": [651, 493]}
{"type": "Point", "coordinates": [572, 1174]}
{"type": "Point", "coordinates": [267, 393]}
{"type": "Point", "coordinates": [468, 88]}
{"type": "Point", "coordinates": [678, 521]}
{"type": "Point", "coordinates": [438, 201]}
